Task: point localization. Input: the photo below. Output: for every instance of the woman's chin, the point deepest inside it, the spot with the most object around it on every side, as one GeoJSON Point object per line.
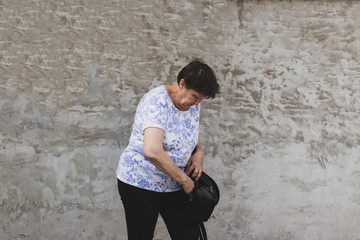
{"type": "Point", "coordinates": [184, 108]}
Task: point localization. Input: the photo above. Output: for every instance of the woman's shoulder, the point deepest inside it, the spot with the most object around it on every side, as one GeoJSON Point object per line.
{"type": "Point", "coordinates": [155, 96]}
{"type": "Point", "coordinates": [157, 91]}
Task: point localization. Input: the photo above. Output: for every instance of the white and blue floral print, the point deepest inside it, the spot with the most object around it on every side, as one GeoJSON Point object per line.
{"type": "Point", "coordinates": [156, 109]}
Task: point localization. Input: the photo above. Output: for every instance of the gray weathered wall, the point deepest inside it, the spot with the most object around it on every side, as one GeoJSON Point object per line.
{"type": "Point", "coordinates": [282, 140]}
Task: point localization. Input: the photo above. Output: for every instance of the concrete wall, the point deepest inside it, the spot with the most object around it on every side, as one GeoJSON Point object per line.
{"type": "Point", "coordinates": [282, 140]}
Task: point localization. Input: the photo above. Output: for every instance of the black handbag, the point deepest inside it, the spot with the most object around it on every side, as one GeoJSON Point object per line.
{"type": "Point", "coordinates": [200, 203]}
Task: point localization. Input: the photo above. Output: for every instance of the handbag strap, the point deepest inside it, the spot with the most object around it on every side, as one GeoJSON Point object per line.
{"type": "Point", "coordinates": [202, 231]}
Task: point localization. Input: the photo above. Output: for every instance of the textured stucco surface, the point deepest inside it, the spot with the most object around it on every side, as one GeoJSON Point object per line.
{"type": "Point", "coordinates": [282, 140]}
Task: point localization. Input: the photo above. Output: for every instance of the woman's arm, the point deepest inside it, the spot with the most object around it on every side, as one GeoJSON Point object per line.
{"type": "Point", "coordinates": [196, 161]}
{"type": "Point", "coordinates": [153, 149]}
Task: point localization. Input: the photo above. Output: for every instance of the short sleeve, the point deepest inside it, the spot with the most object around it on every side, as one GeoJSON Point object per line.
{"type": "Point", "coordinates": [152, 112]}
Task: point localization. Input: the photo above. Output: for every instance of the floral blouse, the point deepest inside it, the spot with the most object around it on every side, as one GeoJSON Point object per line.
{"type": "Point", "coordinates": [156, 109]}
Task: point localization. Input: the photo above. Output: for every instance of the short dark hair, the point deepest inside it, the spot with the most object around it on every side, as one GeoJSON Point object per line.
{"type": "Point", "coordinates": [200, 77]}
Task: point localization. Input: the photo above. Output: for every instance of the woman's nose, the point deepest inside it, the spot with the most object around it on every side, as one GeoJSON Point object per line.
{"type": "Point", "coordinates": [197, 102]}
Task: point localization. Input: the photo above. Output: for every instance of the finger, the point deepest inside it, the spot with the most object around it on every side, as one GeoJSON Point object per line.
{"type": "Point", "coordinates": [193, 173]}
{"type": "Point", "coordinates": [199, 174]}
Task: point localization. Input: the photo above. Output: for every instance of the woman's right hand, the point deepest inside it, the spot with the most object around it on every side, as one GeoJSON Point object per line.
{"type": "Point", "coordinates": [188, 186]}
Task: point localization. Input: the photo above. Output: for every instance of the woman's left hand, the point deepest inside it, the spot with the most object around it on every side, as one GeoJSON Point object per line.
{"type": "Point", "coordinates": [196, 163]}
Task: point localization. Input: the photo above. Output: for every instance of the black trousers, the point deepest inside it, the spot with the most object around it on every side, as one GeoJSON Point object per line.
{"type": "Point", "coordinates": [142, 208]}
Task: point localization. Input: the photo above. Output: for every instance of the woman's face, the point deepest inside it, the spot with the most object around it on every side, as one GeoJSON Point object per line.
{"type": "Point", "coordinates": [188, 97]}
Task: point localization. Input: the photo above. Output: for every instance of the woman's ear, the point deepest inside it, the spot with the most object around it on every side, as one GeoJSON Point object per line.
{"type": "Point", "coordinates": [182, 83]}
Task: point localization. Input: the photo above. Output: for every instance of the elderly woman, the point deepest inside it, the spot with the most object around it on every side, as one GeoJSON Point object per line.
{"type": "Point", "coordinates": [164, 146]}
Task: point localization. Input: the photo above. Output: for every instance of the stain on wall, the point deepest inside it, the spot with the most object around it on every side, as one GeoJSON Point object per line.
{"type": "Point", "coordinates": [282, 139]}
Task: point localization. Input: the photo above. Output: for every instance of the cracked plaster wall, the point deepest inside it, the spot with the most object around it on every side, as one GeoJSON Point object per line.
{"type": "Point", "coordinates": [282, 140]}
